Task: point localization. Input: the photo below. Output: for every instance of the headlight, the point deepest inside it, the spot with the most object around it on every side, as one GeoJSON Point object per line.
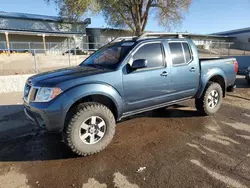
{"type": "Point", "coordinates": [46, 94]}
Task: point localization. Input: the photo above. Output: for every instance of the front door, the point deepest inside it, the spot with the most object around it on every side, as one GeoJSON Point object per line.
{"type": "Point", "coordinates": [148, 86]}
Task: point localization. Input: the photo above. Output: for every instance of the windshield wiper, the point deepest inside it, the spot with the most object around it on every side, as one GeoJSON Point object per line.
{"type": "Point", "coordinates": [95, 65]}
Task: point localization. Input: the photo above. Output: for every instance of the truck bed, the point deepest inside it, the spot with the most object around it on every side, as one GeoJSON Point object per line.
{"type": "Point", "coordinates": [213, 58]}
{"type": "Point", "coordinates": [225, 65]}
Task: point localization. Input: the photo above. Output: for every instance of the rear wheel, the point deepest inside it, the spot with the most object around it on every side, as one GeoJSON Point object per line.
{"type": "Point", "coordinates": [211, 99]}
{"type": "Point", "coordinates": [91, 129]}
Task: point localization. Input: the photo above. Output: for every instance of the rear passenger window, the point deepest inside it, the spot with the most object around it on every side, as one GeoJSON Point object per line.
{"type": "Point", "coordinates": [187, 52]}
{"type": "Point", "coordinates": [152, 52]}
{"type": "Point", "coordinates": [176, 53]}
{"type": "Point", "coordinates": [180, 53]}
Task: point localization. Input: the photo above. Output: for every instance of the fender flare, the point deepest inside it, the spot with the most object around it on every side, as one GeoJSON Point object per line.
{"type": "Point", "coordinates": [79, 92]}
{"type": "Point", "coordinates": [205, 79]}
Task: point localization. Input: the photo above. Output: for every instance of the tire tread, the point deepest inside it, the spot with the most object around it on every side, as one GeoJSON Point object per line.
{"type": "Point", "coordinates": [200, 103]}
{"type": "Point", "coordinates": [85, 107]}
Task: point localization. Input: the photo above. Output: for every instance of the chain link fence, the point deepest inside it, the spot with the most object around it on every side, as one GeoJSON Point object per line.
{"type": "Point", "coordinates": [220, 48]}
{"type": "Point", "coordinates": [48, 47]}
{"type": "Point", "coordinates": [34, 57]}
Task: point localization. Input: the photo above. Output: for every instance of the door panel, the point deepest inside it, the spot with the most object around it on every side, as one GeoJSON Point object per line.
{"type": "Point", "coordinates": [146, 88]}
{"type": "Point", "coordinates": [184, 70]}
{"type": "Point", "coordinates": [149, 86]}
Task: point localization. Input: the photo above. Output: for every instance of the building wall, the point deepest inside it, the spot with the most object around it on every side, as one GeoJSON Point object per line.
{"type": "Point", "coordinates": [104, 36]}
{"type": "Point", "coordinates": [108, 35]}
{"type": "Point", "coordinates": [27, 42]}
{"type": "Point", "coordinates": [33, 38]}
{"type": "Point", "coordinates": [36, 25]}
{"type": "Point", "coordinates": [242, 41]}
{"type": "Point", "coordinates": [2, 44]}
{"type": "Point", "coordinates": [17, 40]}
{"type": "Point", "coordinates": [2, 37]}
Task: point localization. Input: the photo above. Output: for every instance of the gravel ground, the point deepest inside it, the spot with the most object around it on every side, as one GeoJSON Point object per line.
{"type": "Point", "coordinates": [174, 147]}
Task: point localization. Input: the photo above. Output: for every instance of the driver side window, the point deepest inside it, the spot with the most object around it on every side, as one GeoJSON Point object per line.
{"type": "Point", "coordinates": [152, 52]}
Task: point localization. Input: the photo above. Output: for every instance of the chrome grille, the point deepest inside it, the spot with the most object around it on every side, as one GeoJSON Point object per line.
{"type": "Point", "coordinates": [26, 91]}
{"type": "Point", "coordinates": [30, 93]}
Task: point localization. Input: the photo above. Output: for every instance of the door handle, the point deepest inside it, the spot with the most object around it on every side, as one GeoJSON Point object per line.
{"type": "Point", "coordinates": [164, 73]}
{"type": "Point", "coordinates": [192, 69]}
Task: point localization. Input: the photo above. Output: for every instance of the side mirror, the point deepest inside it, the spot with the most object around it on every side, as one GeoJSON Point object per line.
{"type": "Point", "coordinates": [139, 64]}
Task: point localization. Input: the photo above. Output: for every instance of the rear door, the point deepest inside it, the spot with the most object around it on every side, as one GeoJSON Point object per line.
{"type": "Point", "coordinates": [184, 70]}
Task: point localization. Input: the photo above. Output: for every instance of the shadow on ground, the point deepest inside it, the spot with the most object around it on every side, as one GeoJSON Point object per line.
{"type": "Point", "coordinates": [239, 97]}
{"type": "Point", "coordinates": [20, 140]}
{"type": "Point", "coordinates": [241, 82]}
{"type": "Point", "coordinates": [35, 144]}
{"type": "Point", "coordinates": [175, 111]}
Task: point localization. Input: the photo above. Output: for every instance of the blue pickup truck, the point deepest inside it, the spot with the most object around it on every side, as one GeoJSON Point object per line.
{"type": "Point", "coordinates": [122, 79]}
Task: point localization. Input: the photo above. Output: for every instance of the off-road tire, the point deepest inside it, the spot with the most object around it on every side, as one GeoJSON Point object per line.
{"type": "Point", "coordinates": [84, 111]}
{"type": "Point", "coordinates": [202, 103]}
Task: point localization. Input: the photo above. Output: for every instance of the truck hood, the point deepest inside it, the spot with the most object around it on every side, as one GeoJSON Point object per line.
{"type": "Point", "coordinates": [53, 78]}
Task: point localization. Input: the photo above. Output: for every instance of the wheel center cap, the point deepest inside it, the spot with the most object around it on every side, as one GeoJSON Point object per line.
{"type": "Point", "coordinates": [92, 130]}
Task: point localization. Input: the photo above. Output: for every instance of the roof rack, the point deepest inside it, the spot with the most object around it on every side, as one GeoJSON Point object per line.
{"type": "Point", "coordinates": [159, 35]}
{"type": "Point", "coordinates": [118, 39]}
{"type": "Point", "coordinates": [150, 35]}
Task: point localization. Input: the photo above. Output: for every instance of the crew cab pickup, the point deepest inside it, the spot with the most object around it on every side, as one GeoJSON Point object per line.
{"type": "Point", "coordinates": [122, 79]}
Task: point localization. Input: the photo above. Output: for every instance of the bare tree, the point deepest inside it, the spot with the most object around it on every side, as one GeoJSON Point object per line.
{"type": "Point", "coordinates": [133, 14]}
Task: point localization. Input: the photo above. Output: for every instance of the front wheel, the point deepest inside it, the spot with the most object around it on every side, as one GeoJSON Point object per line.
{"type": "Point", "coordinates": [91, 129]}
{"type": "Point", "coordinates": [211, 99]}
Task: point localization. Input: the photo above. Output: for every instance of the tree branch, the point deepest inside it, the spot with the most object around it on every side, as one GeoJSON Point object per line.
{"type": "Point", "coordinates": [145, 16]}
{"type": "Point", "coordinates": [127, 22]}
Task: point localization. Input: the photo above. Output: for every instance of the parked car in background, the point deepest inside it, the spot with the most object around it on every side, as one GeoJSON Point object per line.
{"type": "Point", "coordinates": [248, 75]}
{"type": "Point", "coordinates": [122, 79]}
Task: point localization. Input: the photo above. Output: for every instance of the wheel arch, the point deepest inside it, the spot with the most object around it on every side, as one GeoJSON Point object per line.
{"type": "Point", "coordinates": [220, 80]}
{"type": "Point", "coordinates": [99, 98]}
{"type": "Point", "coordinates": [218, 77]}
{"type": "Point", "coordinates": [96, 92]}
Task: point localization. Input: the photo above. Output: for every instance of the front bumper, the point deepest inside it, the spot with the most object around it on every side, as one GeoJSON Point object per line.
{"type": "Point", "coordinates": [46, 115]}
{"type": "Point", "coordinates": [34, 118]}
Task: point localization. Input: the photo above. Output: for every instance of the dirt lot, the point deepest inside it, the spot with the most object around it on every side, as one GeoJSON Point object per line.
{"type": "Point", "coordinates": [170, 148]}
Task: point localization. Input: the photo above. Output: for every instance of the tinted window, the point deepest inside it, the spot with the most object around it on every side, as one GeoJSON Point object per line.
{"type": "Point", "coordinates": [109, 56]}
{"type": "Point", "coordinates": [187, 52]}
{"type": "Point", "coordinates": [176, 53]}
{"type": "Point", "coordinates": [152, 53]}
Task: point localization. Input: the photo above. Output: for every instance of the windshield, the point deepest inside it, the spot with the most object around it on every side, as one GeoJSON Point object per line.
{"type": "Point", "coordinates": [109, 56]}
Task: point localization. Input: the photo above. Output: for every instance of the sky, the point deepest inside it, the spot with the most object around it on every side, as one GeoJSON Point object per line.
{"type": "Point", "coordinates": [203, 17]}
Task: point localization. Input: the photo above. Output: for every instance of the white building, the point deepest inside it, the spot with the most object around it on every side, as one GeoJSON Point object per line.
{"type": "Point", "coordinates": [241, 38]}
{"type": "Point", "coordinates": [21, 31]}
